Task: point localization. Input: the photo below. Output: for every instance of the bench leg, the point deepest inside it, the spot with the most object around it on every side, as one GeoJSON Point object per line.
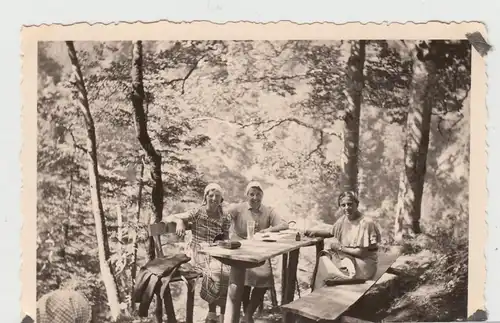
{"type": "Point", "coordinates": [190, 301]}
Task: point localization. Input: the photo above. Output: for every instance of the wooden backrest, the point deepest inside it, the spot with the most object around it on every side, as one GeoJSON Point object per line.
{"type": "Point", "coordinates": [157, 230]}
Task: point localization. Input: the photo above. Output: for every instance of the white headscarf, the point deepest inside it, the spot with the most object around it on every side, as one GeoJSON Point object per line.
{"type": "Point", "coordinates": [253, 184]}
{"type": "Point", "coordinates": [210, 187]}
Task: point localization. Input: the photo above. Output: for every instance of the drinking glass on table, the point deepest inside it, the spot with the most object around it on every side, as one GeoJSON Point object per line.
{"type": "Point", "coordinates": [302, 226]}
{"type": "Point", "coordinates": [250, 229]}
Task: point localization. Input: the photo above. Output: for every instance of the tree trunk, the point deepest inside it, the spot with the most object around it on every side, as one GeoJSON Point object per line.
{"type": "Point", "coordinates": [153, 159]}
{"type": "Point", "coordinates": [119, 232]}
{"type": "Point", "coordinates": [97, 209]}
{"type": "Point", "coordinates": [137, 220]}
{"type": "Point", "coordinates": [411, 184]}
{"type": "Point", "coordinates": [69, 204]}
{"type": "Point", "coordinates": [355, 83]}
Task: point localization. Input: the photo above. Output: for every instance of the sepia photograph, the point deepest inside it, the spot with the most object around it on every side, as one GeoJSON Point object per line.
{"type": "Point", "coordinates": [253, 180]}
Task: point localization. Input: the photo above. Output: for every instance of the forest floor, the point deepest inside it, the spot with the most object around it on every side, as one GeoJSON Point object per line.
{"type": "Point", "coordinates": [408, 293]}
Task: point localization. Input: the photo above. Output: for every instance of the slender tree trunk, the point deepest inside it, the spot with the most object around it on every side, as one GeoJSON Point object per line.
{"type": "Point", "coordinates": [69, 204]}
{"type": "Point", "coordinates": [137, 220]}
{"type": "Point", "coordinates": [119, 232]}
{"type": "Point", "coordinates": [97, 209]}
{"type": "Point", "coordinates": [355, 83]}
{"type": "Point", "coordinates": [411, 184]}
{"type": "Point", "coordinates": [153, 159]}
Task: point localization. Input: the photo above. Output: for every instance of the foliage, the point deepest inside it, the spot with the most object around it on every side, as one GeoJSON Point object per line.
{"type": "Point", "coordinates": [231, 111]}
{"type": "Point", "coordinates": [65, 223]}
{"type": "Point", "coordinates": [439, 291]}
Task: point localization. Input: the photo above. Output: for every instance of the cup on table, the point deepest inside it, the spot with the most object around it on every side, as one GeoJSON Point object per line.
{"type": "Point", "coordinates": [250, 229]}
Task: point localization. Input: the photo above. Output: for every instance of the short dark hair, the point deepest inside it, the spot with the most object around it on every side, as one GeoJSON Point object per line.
{"type": "Point", "coordinates": [349, 194]}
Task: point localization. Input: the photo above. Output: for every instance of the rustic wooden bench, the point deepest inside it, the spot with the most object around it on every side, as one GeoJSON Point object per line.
{"type": "Point", "coordinates": [327, 304]}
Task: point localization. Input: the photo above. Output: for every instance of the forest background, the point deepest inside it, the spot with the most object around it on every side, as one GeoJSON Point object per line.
{"type": "Point", "coordinates": [169, 117]}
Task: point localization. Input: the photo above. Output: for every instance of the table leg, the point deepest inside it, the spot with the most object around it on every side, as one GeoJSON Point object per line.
{"type": "Point", "coordinates": [291, 276]}
{"type": "Point", "coordinates": [234, 294]}
{"type": "Point", "coordinates": [320, 245]}
{"type": "Point", "coordinates": [284, 270]}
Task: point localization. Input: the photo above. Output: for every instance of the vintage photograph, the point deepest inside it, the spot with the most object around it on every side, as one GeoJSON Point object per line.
{"type": "Point", "coordinates": [296, 180]}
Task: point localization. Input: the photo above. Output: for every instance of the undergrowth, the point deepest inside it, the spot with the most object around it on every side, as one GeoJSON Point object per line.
{"type": "Point", "coordinates": [439, 291]}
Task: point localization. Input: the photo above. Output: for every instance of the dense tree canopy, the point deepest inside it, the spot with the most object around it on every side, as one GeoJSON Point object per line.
{"type": "Point", "coordinates": [231, 111]}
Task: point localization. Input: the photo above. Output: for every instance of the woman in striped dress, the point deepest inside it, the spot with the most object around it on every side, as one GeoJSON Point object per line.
{"type": "Point", "coordinates": [208, 222]}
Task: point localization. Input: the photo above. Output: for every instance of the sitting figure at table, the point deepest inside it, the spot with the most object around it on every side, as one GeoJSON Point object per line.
{"type": "Point", "coordinates": [208, 222]}
{"type": "Point", "coordinates": [351, 254]}
{"type": "Point", "coordinates": [266, 220]}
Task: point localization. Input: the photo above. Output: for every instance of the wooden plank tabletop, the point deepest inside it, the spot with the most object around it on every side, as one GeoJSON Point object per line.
{"type": "Point", "coordinates": [257, 251]}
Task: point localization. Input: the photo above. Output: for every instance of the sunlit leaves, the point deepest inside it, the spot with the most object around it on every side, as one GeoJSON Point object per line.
{"type": "Point", "coordinates": [387, 80]}
{"type": "Point", "coordinates": [195, 124]}
{"type": "Point", "coordinates": [388, 75]}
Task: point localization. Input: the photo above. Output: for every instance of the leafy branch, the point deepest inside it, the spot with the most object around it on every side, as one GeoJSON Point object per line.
{"type": "Point", "coordinates": [272, 124]}
{"type": "Point", "coordinates": [188, 74]}
{"type": "Point", "coordinates": [279, 122]}
{"type": "Point", "coordinates": [276, 78]}
{"type": "Point", "coordinates": [75, 144]}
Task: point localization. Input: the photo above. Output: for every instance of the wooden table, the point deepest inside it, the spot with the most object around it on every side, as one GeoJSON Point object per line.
{"type": "Point", "coordinates": [254, 253]}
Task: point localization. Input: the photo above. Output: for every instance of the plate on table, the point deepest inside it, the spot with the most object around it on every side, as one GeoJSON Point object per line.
{"type": "Point", "coordinates": [268, 236]}
{"type": "Point", "coordinates": [288, 231]}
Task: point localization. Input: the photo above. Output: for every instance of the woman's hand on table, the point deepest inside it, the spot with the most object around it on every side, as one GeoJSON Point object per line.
{"type": "Point", "coordinates": [310, 233]}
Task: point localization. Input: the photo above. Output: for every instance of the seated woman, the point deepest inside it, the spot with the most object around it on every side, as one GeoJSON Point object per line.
{"type": "Point", "coordinates": [352, 253]}
{"type": "Point", "coordinates": [208, 222]}
{"type": "Point", "coordinates": [258, 279]}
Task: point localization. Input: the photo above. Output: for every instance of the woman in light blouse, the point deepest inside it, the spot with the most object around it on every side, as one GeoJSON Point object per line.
{"type": "Point", "coordinates": [354, 244]}
{"type": "Point", "coordinates": [266, 220]}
